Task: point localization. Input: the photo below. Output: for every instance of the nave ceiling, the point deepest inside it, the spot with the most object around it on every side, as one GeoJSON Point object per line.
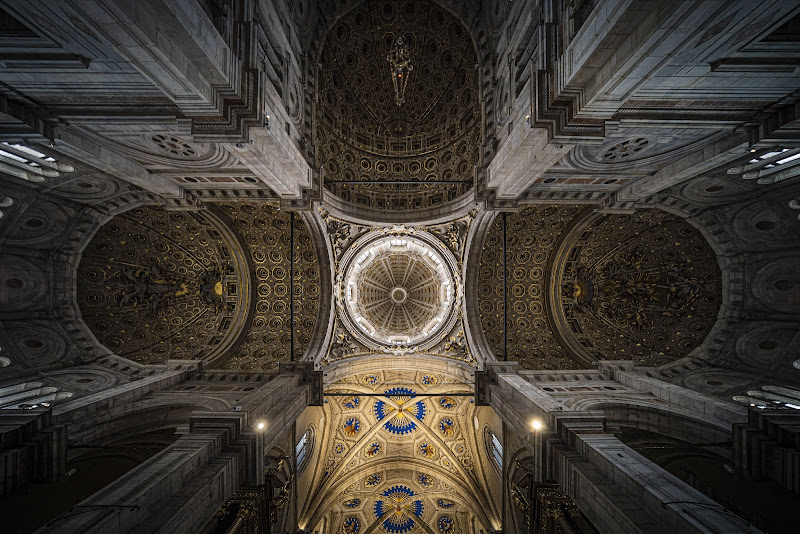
{"type": "Point", "coordinates": [581, 285]}
{"type": "Point", "coordinates": [213, 285]}
{"type": "Point", "coordinates": [391, 461]}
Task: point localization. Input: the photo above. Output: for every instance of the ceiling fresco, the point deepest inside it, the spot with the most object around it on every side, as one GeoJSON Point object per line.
{"type": "Point", "coordinates": [403, 461]}
{"type": "Point", "coordinates": [364, 135]}
{"type": "Point", "coordinates": [581, 286]}
{"type": "Point", "coordinates": [214, 285]}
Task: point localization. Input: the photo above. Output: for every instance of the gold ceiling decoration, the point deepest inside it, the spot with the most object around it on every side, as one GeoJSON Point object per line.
{"type": "Point", "coordinates": [532, 235]}
{"type": "Point", "coordinates": [266, 232]}
{"type": "Point", "coordinates": [154, 284]}
{"type": "Point", "coordinates": [644, 287]}
{"type": "Point", "coordinates": [363, 135]}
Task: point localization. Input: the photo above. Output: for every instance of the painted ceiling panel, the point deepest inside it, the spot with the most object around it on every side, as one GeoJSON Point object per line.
{"type": "Point", "coordinates": [401, 456]}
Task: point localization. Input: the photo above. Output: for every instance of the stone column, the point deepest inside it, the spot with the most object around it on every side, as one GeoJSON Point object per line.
{"type": "Point", "coordinates": [32, 448]}
{"type": "Point", "coordinates": [616, 488]}
{"type": "Point", "coordinates": [767, 447]}
{"type": "Point", "coordinates": [180, 489]}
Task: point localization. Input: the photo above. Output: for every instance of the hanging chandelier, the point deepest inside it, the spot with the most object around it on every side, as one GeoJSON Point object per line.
{"type": "Point", "coordinates": [401, 67]}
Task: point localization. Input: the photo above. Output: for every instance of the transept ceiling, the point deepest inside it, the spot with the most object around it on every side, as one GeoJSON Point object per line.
{"type": "Point", "coordinates": [212, 285]}
{"type": "Point", "coordinates": [584, 287]}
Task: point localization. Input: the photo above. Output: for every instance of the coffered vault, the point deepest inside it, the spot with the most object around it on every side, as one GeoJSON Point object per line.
{"type": "Point", "coordinates": [247, 286]}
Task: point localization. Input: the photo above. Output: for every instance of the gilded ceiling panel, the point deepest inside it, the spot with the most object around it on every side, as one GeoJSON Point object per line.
{"type": "Point", "coordinates": [584, 287]}
{"type": "Point", "coordinates": [532, 235]}
{"type": "Point", "coordinates": [266, 232]}
{"type": "Point", "coordinates": [156, 285]}
{"type": "Point", "coordinates": [645, 287]}
{"type": "Point", "coordinates": [364, 135]}
{"type": "Point", "coordinates": [214, 285]}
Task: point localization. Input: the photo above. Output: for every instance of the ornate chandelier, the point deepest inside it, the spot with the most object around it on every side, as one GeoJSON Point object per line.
{"type": "Point", "coordinates": [401, 67]}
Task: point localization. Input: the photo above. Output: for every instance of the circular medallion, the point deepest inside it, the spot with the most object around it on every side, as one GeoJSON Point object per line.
{"type": "Point", "coordinates": [399, 290]}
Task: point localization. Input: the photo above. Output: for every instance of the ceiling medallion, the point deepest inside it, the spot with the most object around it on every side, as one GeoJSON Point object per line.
{"type": "Point", "coordinates": [401, 67]}
{"type": "Point", "coordinates": [398, 290]}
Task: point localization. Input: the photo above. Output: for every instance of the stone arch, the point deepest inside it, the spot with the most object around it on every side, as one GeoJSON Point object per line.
{"type": "Point", "coordinates": [653, 416]}
{"type": "Point", "coordinates": [141, 416]}
{"type": "Point", "coordinates": [323, 330]}
{"type": "Point", "coordinates": [715, 381]}
{"type": "Point", "coordinates": [767, 346]}
{"type": "Point", "coordinates": [472, 320]}
{"type": "Point", "coordinates": [83, 379]}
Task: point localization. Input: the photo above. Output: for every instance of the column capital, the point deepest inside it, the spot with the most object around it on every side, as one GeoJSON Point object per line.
{"type": "Point", "coordinates": [308, 376]}
{"type": "Point", "coordinates": [488, 377]}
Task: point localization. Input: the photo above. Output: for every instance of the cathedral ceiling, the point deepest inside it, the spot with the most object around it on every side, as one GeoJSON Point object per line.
{"type": "Point", "coordinates": [405, 460]}
{"type": "Point", "coordinates": [584, 287]}
{"type": "Point", "coordinates": [213, 285]}
{"type": "Point", "coordinates": [364, 135]}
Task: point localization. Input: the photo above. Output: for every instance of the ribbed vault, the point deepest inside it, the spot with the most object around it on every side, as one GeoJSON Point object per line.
{"type": "Point", "coordinates": [399, 452]}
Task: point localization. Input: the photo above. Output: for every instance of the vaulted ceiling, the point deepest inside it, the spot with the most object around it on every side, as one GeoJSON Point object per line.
{"type": "Point", "coordinates": [212, 285]}
{"type": "Point", "coordinates": [363, 135]}
{"type": "Point", "coordinates": [195, 256]}
{"type": "Point", "coordinates": [584, 287]}
{"type": "Point", "coordinates": [399, 452]}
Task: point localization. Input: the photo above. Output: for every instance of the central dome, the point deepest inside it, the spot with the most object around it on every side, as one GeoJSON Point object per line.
{"type": "Point", "coordinates": [398, 291]}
